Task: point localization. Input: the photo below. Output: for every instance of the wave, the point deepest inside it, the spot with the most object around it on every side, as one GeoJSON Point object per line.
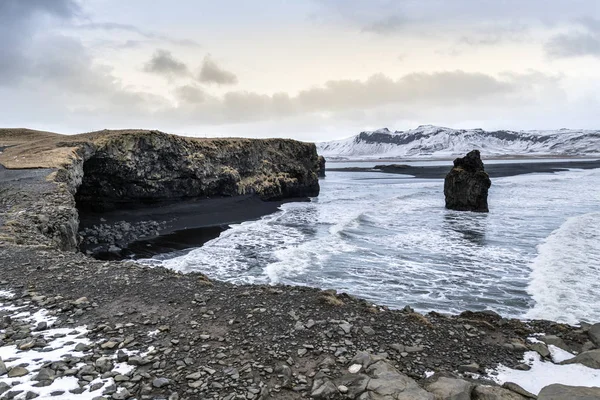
{"type": "Point", "coordinates": [564, 275]}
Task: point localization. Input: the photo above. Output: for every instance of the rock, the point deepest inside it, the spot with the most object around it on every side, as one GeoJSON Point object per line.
{"type": "Point", "coordinates": [368, 330]}
{"type": "Point", "coordinates": [450, 389]}
{"type": "Point", "coordinates": [17, 372]}
{"type": "Point", "coordinates": [466, 185]}
{"type": "Point", "coordinates": [482, 392]}
{"type": "Point", "coordinates": [587, 346]}
{"type": "Point", "coordinates": [3, 369]}
{"type": "Point", "coordinates": [555, 341]}
{"type": "Point", "coordinates": [541, 349]}
{"type": "Point", "coordinates": [178, 167]}
{"type": "Point", "coordinates": [519, 390]}
{"type": "Point", "coordinates": [44, 374]}
{"type": "Point", "coordinates": [4, 387]}
{"type": "Point", "coordinates": [563, 392]}
{"type": "Point", "coordinates": [323, 389]}
{"type": "Point", "coordinates": [354, 383]}
{"type": "Point", "coordinates": [160, 382]}
{"type": "Point", "coordinates": [473, 368]}
{"type": "Point", "coordinates": [590, 359]}
{"type": "Point", "coordinates": [397, 386]}
{"type": "Point", "coordinates": [104, 364]}
{"type": "Point", "coordinates": [121, 394]}
{"type": "Point", "coordinates": [321, 166]}
{"type": "Point", "coordinates": [594, 334]}
{"type": "Point", "coordinates": [354, 368]}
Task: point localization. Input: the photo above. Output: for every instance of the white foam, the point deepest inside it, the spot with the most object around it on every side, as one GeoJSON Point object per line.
{"type": "Point", "coordinates": [392, 242]}
{"type": "Point", "coordinates": [543, 374]}
{"type": "Point", "coordinates": [564, 275]}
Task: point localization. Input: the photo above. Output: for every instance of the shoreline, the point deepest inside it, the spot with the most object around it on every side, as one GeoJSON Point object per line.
{"type": "Point", "coordinates": [493, 170]}
{"type": "Point", "coordinates": [154, 333]}
{"type": "Point", "coordinates": [220, 326]}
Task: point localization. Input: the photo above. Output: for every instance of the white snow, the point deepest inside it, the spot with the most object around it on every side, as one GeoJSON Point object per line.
{"type": "Point", "coordinates": [61, 343]}
{"type": "Point", "coordinates": [440, 142]}
{"type": "Point", "coordinates": [543, 374]}
{"type": "Point", "coordinates": [559, 355]}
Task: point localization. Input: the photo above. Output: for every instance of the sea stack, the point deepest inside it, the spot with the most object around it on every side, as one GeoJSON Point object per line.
{"type": "Point", "coordinates": [321, 171]}
{"type": "Point", "coordinates": [466, 185]}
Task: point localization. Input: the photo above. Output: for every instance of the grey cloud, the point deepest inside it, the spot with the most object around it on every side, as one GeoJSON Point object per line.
{"type": "Point", "coordinates": [18, 19]}
{"type": "Point", "coordinates": [427, 16]}
{"type": "Point", "coordinates": [152, 36]}
{"type": "Point", "coordinates": [57, 70]}
{"type": "Point", "coordinates": [211, 72]}
{"type": "Point", "coordinates": [163, 63]}
{"type": "Point", "coordinates": [591, 24]}
{"type": "Point", "coordinates": [493, 34]}
{"type": "Point", "coordinates": [577, 43]}
{"type": "Point", "coordinates": [190, 94]}
{"type": "Point", "coordinates": [344, 96]}
{"type": "Point", "coordinates": [386, 25]}
{"type": "Point", "coordinates": [573, 45]}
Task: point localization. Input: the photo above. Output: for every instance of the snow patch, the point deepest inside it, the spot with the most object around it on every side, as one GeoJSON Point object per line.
{"type": "Point", "coordinates": [543, 374]}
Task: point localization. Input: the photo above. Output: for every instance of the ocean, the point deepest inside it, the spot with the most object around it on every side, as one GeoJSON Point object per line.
{"type": "Point", "coordinates": [388, 238]}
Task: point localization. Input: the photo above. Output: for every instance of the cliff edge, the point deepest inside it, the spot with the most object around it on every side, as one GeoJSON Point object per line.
{"type": "Point", "coordinates": [112, 169]}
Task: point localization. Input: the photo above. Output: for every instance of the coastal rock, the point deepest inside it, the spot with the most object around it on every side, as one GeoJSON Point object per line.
{"type": "Point", "coordinates": [451, 389]}
{"type": "Point", "coordinates": [563, 392]}
{"type": "Point", "coordinates": [154, 166]}
{"type": "Point", "coordinates": [382, 381]}
{"type": "Point", "coordinates": [113, 169]}
{"type": "Point", "coordinates": [594, 334]}
{"type": "Point", "coordinates": [483, 392]}
{"type": "Point", "coordinates": [466, 185]}
{"type": "Point", "coordinates": [590, 359]}
{"type": "Point", "coordinates": [321, 170]}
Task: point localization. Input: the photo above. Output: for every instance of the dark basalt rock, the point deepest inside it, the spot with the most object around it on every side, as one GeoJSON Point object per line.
{"type": "Point", "coordinates": [321, 172]}
{"type": "Point", "coordinates": [466, 185]}
{"type": "Point", "coordinates": [151, 167]}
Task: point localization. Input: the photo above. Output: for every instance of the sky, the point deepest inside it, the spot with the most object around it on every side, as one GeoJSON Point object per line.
{"type": "Point", "coordinates": [311, 70]}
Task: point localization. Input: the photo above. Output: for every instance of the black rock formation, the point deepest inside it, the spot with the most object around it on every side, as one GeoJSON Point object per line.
{"type": "Point", "coordinates": [321, 172]}
{"type": "Point", "coordinates": [466, 185]}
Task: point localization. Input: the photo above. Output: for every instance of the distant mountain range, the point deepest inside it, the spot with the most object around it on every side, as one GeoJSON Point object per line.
{"type": "Point", "coordinates": [439, 142]}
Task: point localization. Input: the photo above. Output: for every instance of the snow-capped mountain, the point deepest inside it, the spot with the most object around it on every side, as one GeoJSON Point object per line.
{"type": "Point", "coordinates": [439, 142]}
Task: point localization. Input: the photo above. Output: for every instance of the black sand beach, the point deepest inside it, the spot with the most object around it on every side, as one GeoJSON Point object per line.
{"type": "Point", "coordinates": [493, 170]}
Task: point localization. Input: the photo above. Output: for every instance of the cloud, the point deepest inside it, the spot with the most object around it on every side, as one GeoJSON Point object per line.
{"type": "Point", "coordinates": [163, 63]}
{"type": "Point", "coordinates": [152, 36]}
{"type": "Point", "coordinates": [577, 43]}
{"type": "Point", "coordinates": [211, 72]}
{"type": "Point", "coordinates": [387, 25]}
{"type": "Point", "coordinates": [345, 96]}
{"type": "Point", "coordinates": [17, 20]}
{"type": "Point", "coordinates": [190, 94]}
{"type": "Point", "coordinates": [573, 45]}
{"type": "Point", "coordinates": [491, 34]}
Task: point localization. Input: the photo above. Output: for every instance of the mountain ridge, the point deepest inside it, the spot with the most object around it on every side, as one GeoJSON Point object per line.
{"type": "Point", "coordinates": [441, 142]}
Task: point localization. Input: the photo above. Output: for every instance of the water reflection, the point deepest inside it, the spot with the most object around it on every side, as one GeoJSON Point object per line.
{"type": "Point", "coordinates": [470, 226]}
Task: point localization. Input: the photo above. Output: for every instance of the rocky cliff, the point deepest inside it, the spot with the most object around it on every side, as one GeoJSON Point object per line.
{"type": "Point", "coordinates": [111, 169]}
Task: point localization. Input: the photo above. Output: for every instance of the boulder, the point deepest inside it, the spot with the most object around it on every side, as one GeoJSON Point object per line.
{"type": "Point", "coordinates": [450, 389]}
{"type": "Point", "coordinates": [555, 341]}
{"type": "Point", "coordinates": [483, 392]}
{"type": "Point", "coordinates": [590, 359]}
{"type": "Point", "coordinates": [594, 334]}
{"type": "Point", "coordinates": [382, 381]}
{"type": "Point", "coordinates": [466, 185]}
{"type": "Point", "coordinates": [563, 392]}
